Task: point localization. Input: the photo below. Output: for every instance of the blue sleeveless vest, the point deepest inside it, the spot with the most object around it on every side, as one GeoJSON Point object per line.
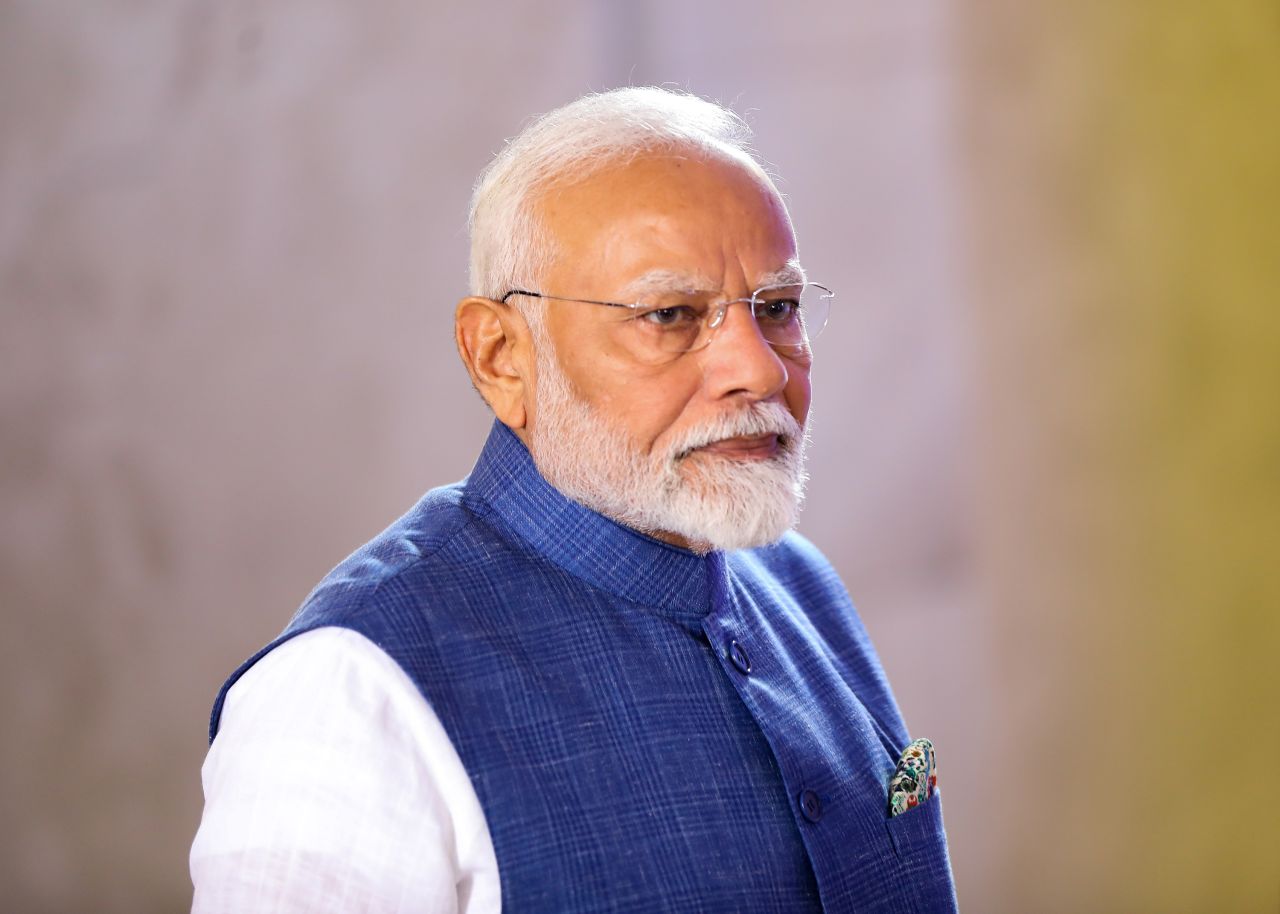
{"type": "Point", "coordinates": [646, 729]}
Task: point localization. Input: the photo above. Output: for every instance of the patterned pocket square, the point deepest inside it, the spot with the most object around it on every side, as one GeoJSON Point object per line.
{"type": "Point", "coordinates": [915, 778]}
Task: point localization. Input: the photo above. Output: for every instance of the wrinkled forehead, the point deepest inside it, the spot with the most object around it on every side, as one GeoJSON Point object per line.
{"type": "Point", "coordinates": [706, 208]}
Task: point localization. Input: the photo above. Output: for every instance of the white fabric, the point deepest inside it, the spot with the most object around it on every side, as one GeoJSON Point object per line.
{"type": "Point", "coordinates": [332, 786]}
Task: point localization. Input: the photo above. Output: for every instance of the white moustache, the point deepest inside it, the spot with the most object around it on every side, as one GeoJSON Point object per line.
{"type": "Point", "coordinates": [759, 419]}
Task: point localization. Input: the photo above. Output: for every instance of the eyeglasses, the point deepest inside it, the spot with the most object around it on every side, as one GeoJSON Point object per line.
{"type": "Point", "coordinates": [665, 325]}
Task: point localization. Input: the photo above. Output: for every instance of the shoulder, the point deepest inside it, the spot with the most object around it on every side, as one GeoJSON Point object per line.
{"type": "Point", "coordinates": [367, 593]}
{"type": "Point", "coordinates": [799, 580]}
{"type": "Point", "coordinates": [429, 559]}
{"type": "Point", "coordinates": [429, 527]}
{"type": "Point", "coordinates": [793, 562]}
{"type": "Point", "coordinates": [802, 587]}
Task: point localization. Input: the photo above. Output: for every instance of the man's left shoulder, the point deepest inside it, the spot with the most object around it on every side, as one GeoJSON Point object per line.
{"type": "Point", "coordinates": [794, 590]}
{"type": "Point", "coordinates": [798, 579]}
{"type": "Point", "coordinates": [793, 560]}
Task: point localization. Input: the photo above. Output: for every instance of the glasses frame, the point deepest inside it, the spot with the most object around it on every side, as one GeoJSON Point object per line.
{"type": "Point", "coordinates": [715, 313]}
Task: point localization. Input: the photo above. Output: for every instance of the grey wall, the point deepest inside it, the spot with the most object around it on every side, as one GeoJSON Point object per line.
{"type": "Point", "coordinates": [231, 238]}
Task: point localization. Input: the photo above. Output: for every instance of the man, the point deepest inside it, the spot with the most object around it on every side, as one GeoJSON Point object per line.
{"type": "Point", "coordinates": [600, 673]}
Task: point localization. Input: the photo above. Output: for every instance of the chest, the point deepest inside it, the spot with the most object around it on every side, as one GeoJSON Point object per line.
{"type": "Point", "coordinates": [641, 761]}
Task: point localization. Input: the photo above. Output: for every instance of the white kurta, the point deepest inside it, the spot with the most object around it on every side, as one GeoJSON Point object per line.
{"type": "Point", "coordinates": [332, 786]}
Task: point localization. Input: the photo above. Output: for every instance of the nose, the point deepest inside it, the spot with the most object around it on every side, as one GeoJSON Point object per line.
{"type": "Point", "coordinates": [739, 361]}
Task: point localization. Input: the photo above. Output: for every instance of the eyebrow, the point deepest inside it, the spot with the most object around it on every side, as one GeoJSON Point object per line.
{"type": "Point", "coordinates": [662, 280]}
{"type": "Point", "coordinates": [792, 274]}
{"type": "Point", "coordinates": [665, 281]}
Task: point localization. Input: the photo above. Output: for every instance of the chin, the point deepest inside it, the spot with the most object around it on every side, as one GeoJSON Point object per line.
{"type": "Point", "coordinates": [724, 504]}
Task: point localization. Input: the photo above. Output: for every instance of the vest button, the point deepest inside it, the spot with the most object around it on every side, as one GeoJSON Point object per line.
{"type": "Point", "coordinates": [738, 657]}
{"type": "Point", "coordinates": [810, 805]}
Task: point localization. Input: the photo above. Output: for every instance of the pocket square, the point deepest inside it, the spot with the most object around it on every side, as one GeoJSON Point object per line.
{"type": "Point", "coordinates": [915, 778]}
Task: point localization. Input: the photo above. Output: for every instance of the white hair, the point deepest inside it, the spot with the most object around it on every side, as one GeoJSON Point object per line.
{"type": "Point", "coordinates": [509, 248]}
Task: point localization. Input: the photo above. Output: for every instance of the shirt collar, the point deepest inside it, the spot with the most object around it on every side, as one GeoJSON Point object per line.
{"type": "Point", "coordinates": [590, 546]}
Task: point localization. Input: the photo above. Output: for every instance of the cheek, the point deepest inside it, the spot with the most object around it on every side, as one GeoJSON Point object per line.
{"type": "Point", "coordinates": [798, 392]}
{"type": "Point", "coordinates": [651, 404]}
{"type": "Point", "coordinates": [646, 403]}
{"type": "Point", "coordinates": [649, 412]}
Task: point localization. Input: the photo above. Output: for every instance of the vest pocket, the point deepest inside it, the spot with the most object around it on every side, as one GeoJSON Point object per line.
{"type": "Point", "coordinates": [918, 830]}
{"type": "Point", "coordinates": [922, 870]}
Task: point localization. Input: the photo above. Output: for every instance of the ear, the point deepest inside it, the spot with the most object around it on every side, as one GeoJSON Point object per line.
{"type": "Point", "coordinates": [493, 341]}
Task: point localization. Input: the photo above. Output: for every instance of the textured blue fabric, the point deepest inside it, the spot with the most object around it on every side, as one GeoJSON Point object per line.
{"type": "Point", "coordinates": [646, 729]}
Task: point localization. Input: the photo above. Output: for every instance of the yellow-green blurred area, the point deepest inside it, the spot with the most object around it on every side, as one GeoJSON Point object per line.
{"type": "Point", "coordinates": [1127, 272]}
{"type": "Point", "coordinates": [1046, 454]}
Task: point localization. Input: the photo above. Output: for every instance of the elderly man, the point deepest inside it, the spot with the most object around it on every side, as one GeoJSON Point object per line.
{"type": "Point", "coordinates": [599, 673]}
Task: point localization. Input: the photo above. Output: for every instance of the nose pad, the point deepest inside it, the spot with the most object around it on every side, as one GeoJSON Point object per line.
{"type": "Point", "coordinates": [717, 316]}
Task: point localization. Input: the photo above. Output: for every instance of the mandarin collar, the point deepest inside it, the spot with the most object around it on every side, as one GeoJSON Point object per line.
{"type": "Point", "coordinates": [506, 485]}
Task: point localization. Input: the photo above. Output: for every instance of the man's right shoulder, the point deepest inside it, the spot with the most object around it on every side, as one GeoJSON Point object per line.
{"type": "Point", "coordinates": [398, 584]}
{"type": "Point", "coordinates": [443, 528]}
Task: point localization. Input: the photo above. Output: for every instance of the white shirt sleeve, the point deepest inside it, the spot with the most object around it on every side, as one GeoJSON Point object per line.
{"type": "Point", "coordinates": [332, 786]}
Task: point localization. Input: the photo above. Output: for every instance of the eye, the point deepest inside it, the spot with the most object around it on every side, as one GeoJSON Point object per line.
{"type": "Point", "coordinates": [672, 316]}
{"type": "Point", "coordinates": [778, 310]}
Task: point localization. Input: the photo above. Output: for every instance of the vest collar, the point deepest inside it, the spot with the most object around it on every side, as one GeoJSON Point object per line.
{"type": "Point", "coordinates": [603, 553]}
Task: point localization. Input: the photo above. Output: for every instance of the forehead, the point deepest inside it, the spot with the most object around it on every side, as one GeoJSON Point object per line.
{"type": "Point", "coordinates": [666, 219]}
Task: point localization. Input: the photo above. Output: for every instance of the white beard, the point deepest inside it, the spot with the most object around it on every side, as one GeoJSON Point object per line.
{"type": "Point", "coordinates": [711, 501]}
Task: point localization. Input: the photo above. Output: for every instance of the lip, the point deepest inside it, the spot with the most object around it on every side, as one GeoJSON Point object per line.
{"type": "Point", "coordinates": [760, 447]}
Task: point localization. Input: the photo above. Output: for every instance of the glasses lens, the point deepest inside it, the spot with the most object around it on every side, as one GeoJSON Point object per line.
{"type": "Point", "coordinates": [667, 326]}
{"type": "Point", "coordinates": [815, 308]}
{"type": "Point", "coordinates": [792, 315]}
{"type": "Point", "coordinates": [788, 317]}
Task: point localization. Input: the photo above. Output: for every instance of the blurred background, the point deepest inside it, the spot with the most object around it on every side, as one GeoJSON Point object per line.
{"type": "Point", "coordinates": [1047, 411]}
